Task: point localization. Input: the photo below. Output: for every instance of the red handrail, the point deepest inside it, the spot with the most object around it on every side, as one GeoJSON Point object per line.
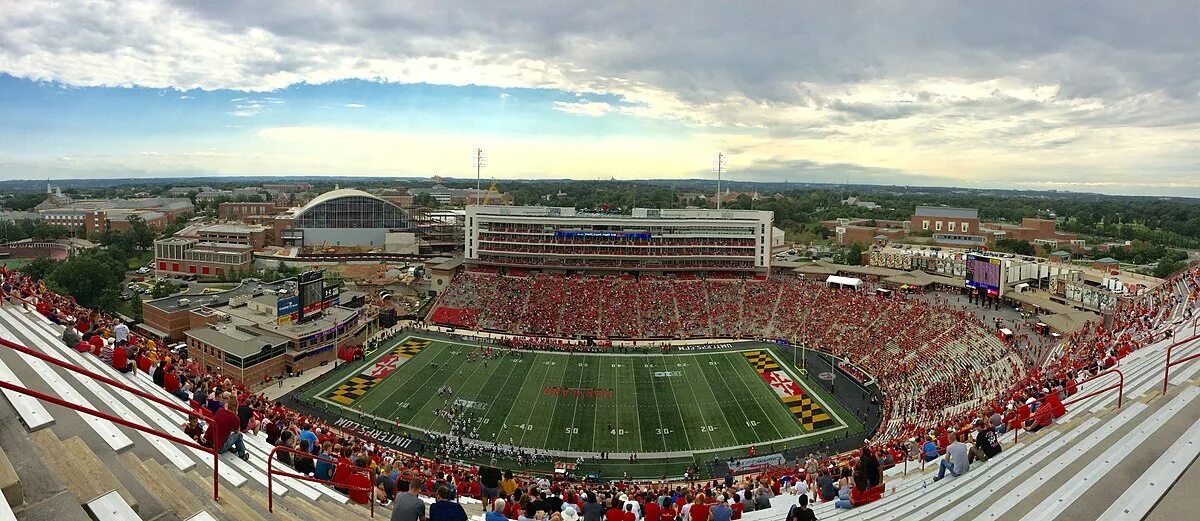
{"type": "Point", "coordinates": [74, 368]}
{"type": "Point", "coordinates": [1120, 386]}
{"type": "Point", "coordinates": [272, 472]}
{"type": "Point", "coordinates": [1167, 365]}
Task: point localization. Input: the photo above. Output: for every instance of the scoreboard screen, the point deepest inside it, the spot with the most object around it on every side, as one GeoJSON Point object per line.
{"type": "Point", "coordinates": [983, 272]}
{"type": "Point", "coordinates": [607, 235]}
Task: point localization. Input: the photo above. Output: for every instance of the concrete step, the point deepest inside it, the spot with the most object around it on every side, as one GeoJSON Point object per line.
{"type": "Point", "coordinates": [1034, 492]}
{"type": "Point", "coordinates": [10, 483]}
{"type": "Point", "coordinates": [85, 476]}
{"type": "Point", "coordinates": [232, 507]}
{"type": "Point", "coordinates": [178, 498]}
{"type": "Point", "coordinates": [45, 495]}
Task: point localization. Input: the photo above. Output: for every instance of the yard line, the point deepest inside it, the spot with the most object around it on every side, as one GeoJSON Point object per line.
{"type": "Point", "coordinates": [715, 403]}
{"type": "Point", "coordinates": [732, 396]}
{"type": "Point", "coordinates": [662, 426]}
{"type": "Point", "coordinates": [504, 423]}
{"type": "Point", "coordinates": [534, 408]}
{"type": "Point", "coordinates": [778, 435]}
{"type": "Point", "coordinates": [574, 411]}
{"type": "Point", "coordinates": [455, 395]}
{"type": "Point", "coordinates": [493, 401]}
{"type": "Point", "coordinates": [596, 410]}
{"type": "Point", "coordinates": [433, 395]}
{"type": "Point", "coordinates": [680, 410]}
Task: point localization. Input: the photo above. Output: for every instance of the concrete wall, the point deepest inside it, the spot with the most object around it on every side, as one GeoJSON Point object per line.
{"type": "Point", "coordinates": [345, 237]}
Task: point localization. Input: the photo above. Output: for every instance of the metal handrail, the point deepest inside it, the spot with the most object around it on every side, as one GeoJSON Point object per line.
{"type": "Point", "coordinates": [1119, 386]}
{"type": "Point", "coordinates": [272, 472]}
{"type": "Point", "coordinates": [119, 421]}
{"type": "Point", "coordinates": [1167, 365]}
{"type": "Point", "coordinates": [72, 367]}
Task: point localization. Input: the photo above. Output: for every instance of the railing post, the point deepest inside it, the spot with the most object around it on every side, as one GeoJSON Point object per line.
{"type": "Point", "coordinates": [1167, 368]}
{"type": "Point", "coordinates": [270, 482]}
{"type": "Point", "coordinates": [216, 477]}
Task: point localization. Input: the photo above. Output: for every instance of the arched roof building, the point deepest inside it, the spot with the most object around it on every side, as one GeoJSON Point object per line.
{"type": "Point", "coordinates": [352, 209]}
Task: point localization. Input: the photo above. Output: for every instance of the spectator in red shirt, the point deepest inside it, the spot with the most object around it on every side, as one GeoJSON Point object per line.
{"type": "Point", "coordinates": [650, 511]}
{"type": "Point", "coordinates": [224, 431]}
{"type": "Point", "coordinates": [120, 359]}
{"type": "Point", "coordinates": [699, 511]}
{"type": "Point", "coordinates": [614, 512]}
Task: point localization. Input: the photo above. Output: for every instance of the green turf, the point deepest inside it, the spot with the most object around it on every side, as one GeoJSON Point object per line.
{"type": "Point", "coordinates": [695, 402]}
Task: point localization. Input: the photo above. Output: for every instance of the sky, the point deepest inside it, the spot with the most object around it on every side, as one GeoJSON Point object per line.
{"type": "Point", "coordinates": [1098, 96]}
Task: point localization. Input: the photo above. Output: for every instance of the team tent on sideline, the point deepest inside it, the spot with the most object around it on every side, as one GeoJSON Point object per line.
{"type": "Point", "coordinates": [846, 282]}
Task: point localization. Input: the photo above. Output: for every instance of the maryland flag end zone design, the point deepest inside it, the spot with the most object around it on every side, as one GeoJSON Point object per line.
{"type": "Point", "coordinates": [358, 385]}
{"type": "Point", "coordinates": [809, 413]}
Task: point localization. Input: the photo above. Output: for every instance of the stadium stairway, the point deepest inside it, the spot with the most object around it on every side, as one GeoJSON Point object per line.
{"type": "Point", "coordinates": [61, 465]}
{"type": "Point", "coordinates": [1095, 463]}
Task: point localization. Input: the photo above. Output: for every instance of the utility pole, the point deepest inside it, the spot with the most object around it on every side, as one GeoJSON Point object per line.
{"type": "Point", "coordinates": [480, 162]}
{"type": "Point", "coordinates": [719, 167]}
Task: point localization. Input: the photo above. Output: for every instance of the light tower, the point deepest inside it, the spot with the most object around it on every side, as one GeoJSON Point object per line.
{"type": "Point", "coordinates": [480, 162]}
{"type": "Point", "coordinates": [719, 167]}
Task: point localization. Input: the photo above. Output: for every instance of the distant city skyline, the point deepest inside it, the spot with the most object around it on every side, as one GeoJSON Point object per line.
{"type": "Point", "coordinates": [1020, 95]}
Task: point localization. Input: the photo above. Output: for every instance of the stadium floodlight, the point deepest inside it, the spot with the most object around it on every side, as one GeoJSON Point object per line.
{"type": "Point", "coordinates": [478, 162]}
{"type": "Point", "coordinates": [719, 167]}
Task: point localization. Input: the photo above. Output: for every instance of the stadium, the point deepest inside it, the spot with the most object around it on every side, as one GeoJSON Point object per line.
{"type": "Point", "coordinates": [655, 352]}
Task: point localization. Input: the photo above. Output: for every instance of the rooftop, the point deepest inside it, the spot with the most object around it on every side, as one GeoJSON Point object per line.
{"type": "Point", "coordinates": [232, 228]}
{"type": "Point", "coordinates": [636, 213]}
{"type": "Point", "coordinates": [237, 341]}
{"type": "Point", "coordinates": [945, 211]}
{"type": "Point", "coordinates": [248, 287]}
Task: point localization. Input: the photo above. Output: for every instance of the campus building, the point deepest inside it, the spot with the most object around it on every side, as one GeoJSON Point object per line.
{"type": "Point", "coordinates": [258, 330]}
{"type": "Point", "coordinates": [649, 239]}
{"type": "Point", "coordinates": [192, 256]}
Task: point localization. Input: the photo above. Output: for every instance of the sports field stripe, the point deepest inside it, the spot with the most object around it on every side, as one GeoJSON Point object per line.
{"type": "Point", "coordinates": [565, 407]}
{"type": "Point", "coordinates": [713, 374]}
{"type": "Point", "coordinates": [757, 401]}
{"type": "Point", "coordinates": [425, 394]}
{"type": "Point", "coordinates": [590, 415]}
{"type": "Point", "coordinates": [692, 403]}
{"type": "Point", "coordinates": [668, 412]}
{"type": "Point", "coordinates": [466, 383]}
{"type": "Point", "coordinates": [391, 386]}
{"type": "Point", "coordinates": [625, 388]}
{"type": "Point", "coordinates": [505, 433]}
{"type": "Point", "coordinates": [494, 391]}
{"type": "Point", "coordinates": [542, 416]}
{"type": "Point", "coordinates": [653, 437]}
{"type": "Point", "coordinates": [505, 399]}
{"type": "Point", "coordinates": [704, 393]}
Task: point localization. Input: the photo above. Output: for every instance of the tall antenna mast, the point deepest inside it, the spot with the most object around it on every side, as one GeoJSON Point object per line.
{"type": "Point", "coordinates": [480, 162]}
{"type": "Point", "coordinates": [719, 167]}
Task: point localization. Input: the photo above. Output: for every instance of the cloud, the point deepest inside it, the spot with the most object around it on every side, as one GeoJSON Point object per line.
{"type": "Point", "coordinates": [585, 108]}
{"type": "Point", "coordinates": [354, 106]}
{"type": "Point", "coordinates": [958, 91]}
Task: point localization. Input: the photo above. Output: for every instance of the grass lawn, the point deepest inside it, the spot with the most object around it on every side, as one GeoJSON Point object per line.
{"type": "Point", "coordinates": [671, 405]}
{"type": "Point", "coordinates": [13, 264]}
{"type": "Point", "coordinates": [139, 259]}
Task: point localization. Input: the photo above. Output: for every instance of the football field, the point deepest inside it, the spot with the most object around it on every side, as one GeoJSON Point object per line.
{"type": "Point", "coordinates": [587, 403]}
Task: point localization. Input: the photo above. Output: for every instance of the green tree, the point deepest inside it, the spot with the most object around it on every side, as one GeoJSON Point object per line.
{"type": "Point", "coordinates": [93, 278]}
{"type": "Point", "coordinates": [136, 308]}
{"type": "Point", "coordinates": [426, 200]}
{"type": "Point", "coordinates": [854, 254]}
{"type": "Point", "coordinates": [163, 289]}
{"type": "Point", "coordinates": [141, 237]}
{"type": "Point", "coordinates": [39, 268]}
{"type": "Point", "coordinates": [1015, 246]}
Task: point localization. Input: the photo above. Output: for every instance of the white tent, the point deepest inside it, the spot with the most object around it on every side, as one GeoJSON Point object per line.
{"type": "Point", "coordinates": [845, 281]}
